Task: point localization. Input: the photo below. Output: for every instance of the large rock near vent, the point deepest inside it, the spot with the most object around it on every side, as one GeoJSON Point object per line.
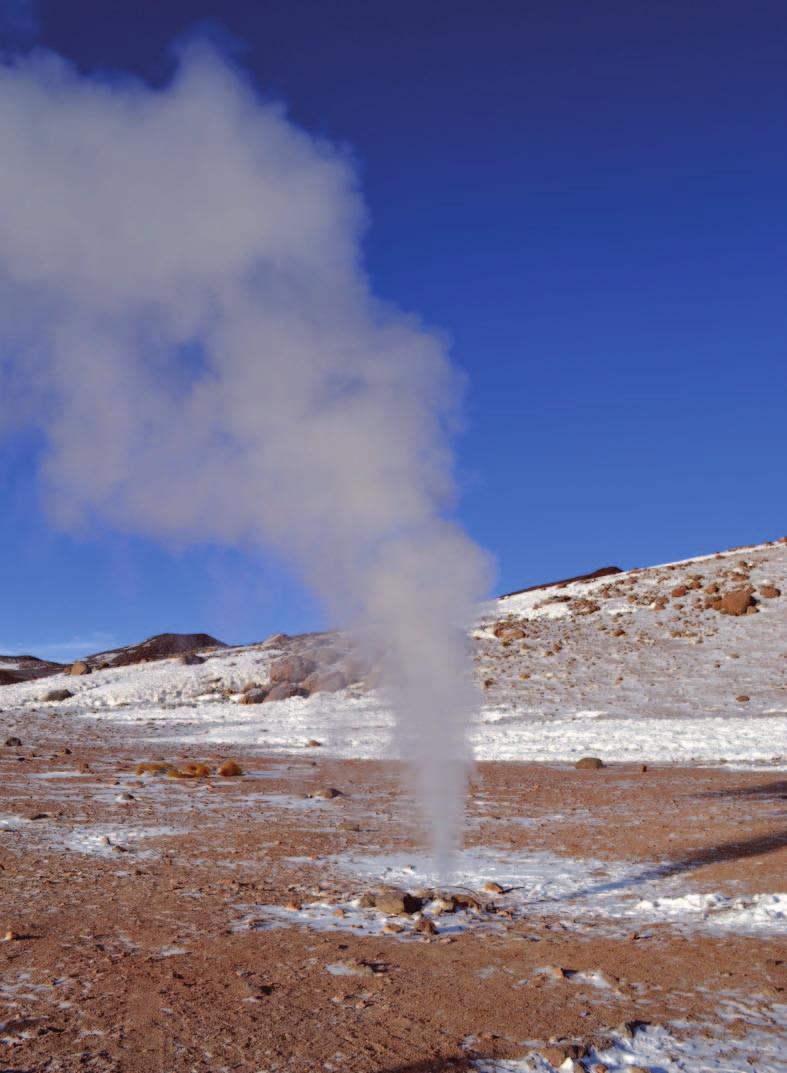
{"type": "Point", "coordinates": [328, 681]}
{"type": "Point", "coordinates": [292, 669]}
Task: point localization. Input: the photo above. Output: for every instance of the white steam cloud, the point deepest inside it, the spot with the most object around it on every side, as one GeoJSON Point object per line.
{"type": "Point", "coordinates": [185, 316]}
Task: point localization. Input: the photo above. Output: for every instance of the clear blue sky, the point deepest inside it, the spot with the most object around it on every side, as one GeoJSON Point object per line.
{"type": "Point", "coordinates": [588, 197]}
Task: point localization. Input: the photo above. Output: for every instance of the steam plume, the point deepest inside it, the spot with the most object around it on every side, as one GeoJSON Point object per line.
{"type": "Point", "coordinates": [184, 311]}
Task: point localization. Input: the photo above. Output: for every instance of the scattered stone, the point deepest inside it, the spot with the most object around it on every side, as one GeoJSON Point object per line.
{"type": "Point", "coordinates": [770, 592]}
{"type": "Point", "coordinates": [397, 902]}
{"type": "Point", "coordinates": [443, 905]}
{"type": "Point", "coordinates": [712, 589]}
{"type": "Point", "coordinates": [313, 743]}
{"type": "Point", "coordinates": [285, 690]}
{"type": "Point", "coordinates": [79, 668]}
{"type": "Point", "coordinates": [255, 695]}
{"type": "Point", "coordinates": [152, 769]}
{"type": "Point", "coordinates": [13, 742]}
{"type": "Point", "coordinates": [229, 769]}
{"type": "Point", "coordinates": [57, 695]}
{"type": "Point", "coordinates": [327, 793]}
{"type": "Point", "coordinates": [680, 590]}
{"type": "Point", "coordinates": [588, 763]}
{"type": "Point", "coordinates": [506, 631]}
{"type": "Point", "coordinates": [555, 1055]}
{"type": "Point", "coordinates": [743, 698]}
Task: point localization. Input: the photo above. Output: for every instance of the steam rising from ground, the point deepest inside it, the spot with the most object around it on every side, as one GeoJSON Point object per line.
{"type": "Point", "coordinates": [184, 313]}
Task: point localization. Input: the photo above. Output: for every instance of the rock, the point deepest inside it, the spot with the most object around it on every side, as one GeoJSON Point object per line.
{"type": "Point", "coordinates": [13, 743]}
{"type": "Point", "coordinates": [325, 682]}
{"type": "Point", "coordinates": [506, 631]}
{"type": "Point", "coordinates": [191, 659]}
{"type": "Point", "coordinates": [229, 769]}
{"type": "Point", "coordinates": [679, 590]}
{"type": "Point", "coordinates": [589, 763]}
{"type": "Point", "coordinates": [292, 669]}
{"type": "Point", "coordinates": [555, 1055]}
{"type": "Point", "coordinates": [492, 888]}
{"type": "Point", "coordinates": [313, 743]}
{"type": "Point", "coordinates": [426, 927]}
{"type": "Point", "coordinates": [743, 698]}
{"type": "Point", "coordinates": [254, 696]}
{"type": "Point", "coordinates": [397, 902]}
{"type": "Point", "coordinates": [79, 668]}
{"type": "Point", "coordinates": [736, 602]}
{"type": "Point", "coordinates": [285, 690]}
{"type": "Point", "coordinates": [57, 695]}
{"type": "Point", "coordinates": [327, 793]}
{"type": "Point", "coordinates": [11, 936]}
{"type": "Point", "coordinates": [366, 900]}
{"type": "Point", "coordinates": [712, 589]}
{"type": "Point", "coordinates": [770, 592]}
{"type": "Point", "coordinates": [443, 905]}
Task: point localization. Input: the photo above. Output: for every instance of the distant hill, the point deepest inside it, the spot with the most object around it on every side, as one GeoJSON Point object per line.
{"type": "Point", "coordinates": [14, 669]}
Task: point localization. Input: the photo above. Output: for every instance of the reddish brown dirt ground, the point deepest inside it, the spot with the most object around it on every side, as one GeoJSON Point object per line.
{"type": "Point", "coordinates": [146, 956]}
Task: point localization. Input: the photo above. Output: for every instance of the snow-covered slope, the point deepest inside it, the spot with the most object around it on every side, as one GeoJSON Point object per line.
{"type": "Point", "coordinates": [628, 667]}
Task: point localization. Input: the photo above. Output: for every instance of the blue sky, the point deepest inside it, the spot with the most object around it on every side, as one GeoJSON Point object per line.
{"type": "Point", "coordinates": [588, 198]}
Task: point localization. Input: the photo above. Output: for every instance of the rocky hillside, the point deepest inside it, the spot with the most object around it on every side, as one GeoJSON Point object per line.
{"type": "Point", "coordinates": [705, 635]}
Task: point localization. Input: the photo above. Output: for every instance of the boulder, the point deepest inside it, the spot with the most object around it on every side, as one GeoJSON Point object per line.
{"type": "Point", "coordinates": [79, 668]}
{"type": "Point", "coordinates": [770, 592]}
{"type": "Point", "coordinates": [588, 763]}
{"type": "Point", "coordinates": [396, 902]}
{"type": "Point", "coordinates": [327, 681]}
{"type": "Point", "coordinates": [285, 690]}
{"type": "Point", "coordinates": [326, 793]}
{"type": "Point", "coordinates": [679, 590]}
{"type": "Point", "coordinates": [191, 659]}
{"type": "Point", "coordinates": [291, 669]}
{"type": "Point", "coordinates": [507, 631]}
{"type": "Point", "coordinates": [736, 602]}
{"type": "Point", "coordinates": [254, 696]}
{"type": "Point", "coordinates": [13, 743]}
{"type": "Point", "coordinates": [57, 695]}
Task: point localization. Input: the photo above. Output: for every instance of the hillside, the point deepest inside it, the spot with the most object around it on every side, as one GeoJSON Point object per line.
{"type": "Point", "coordinates": [642, 665]}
